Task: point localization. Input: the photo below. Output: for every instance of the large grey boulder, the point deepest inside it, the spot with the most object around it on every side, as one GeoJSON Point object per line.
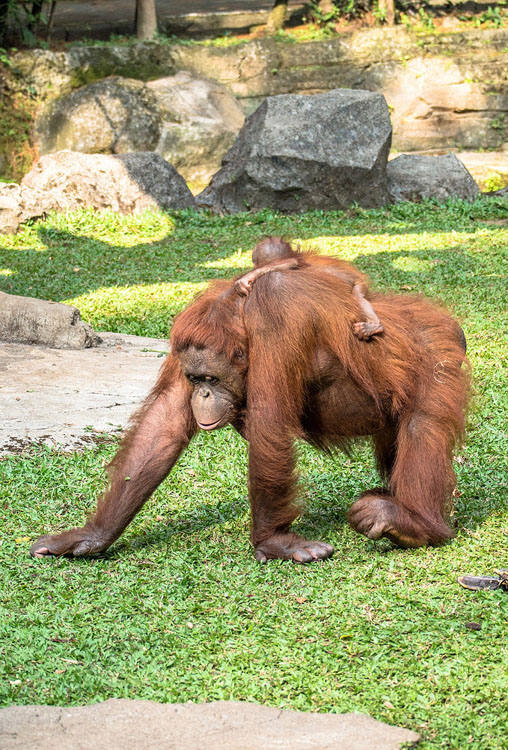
{"type": "Point", "coordinates": [17, 204]}
{"type": "Point", "coordinates": [27, 320]}
{"type": "Point", "coordinates": [200, 120]}
{"type": "Point", "coordinates": [223, 725]}
{"type": "Point", "coordinates": [191, 122]}
{"type": "Point", "coordinates": [412, 177]}
{"type": "Point", "coordinates": [124, 182]}
{"type": "Point", "coordinates": [67, 180]}
{"type": "Point", "coordinates": [115, 115]}
{"type": "Point", "coordinates": [297, 153]}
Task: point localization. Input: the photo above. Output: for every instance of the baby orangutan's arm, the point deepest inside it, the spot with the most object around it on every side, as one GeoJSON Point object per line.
{"type": "Point", "coordinates": [243, 285]}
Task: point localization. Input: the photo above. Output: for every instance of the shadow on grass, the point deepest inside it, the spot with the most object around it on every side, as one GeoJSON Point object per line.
{"type": "Point", "coordinates": [313, 524]}
{"type": "Point", "coordinates": [71, 265]}
{"type": "Point", "coordinates": [319, 520]}
{"type": "Point", "coordinates": [324, 512]}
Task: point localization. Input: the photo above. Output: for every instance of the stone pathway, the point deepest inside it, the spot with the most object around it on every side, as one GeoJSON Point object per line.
{"type": "Point", "coordinates": [144, 725]}
{"type": "Point", "coordinates": [75, 19]}
{"type": "Point", "coordinates": [63, 396]}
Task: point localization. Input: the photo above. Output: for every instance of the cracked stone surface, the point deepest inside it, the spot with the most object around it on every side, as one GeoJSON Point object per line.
{"type": "Point", "coordinates": [136, 725]}
{"type": "Point", "coordinates": [65, 397]}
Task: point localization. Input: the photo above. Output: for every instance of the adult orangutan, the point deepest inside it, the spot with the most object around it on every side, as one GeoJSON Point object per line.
{"type": "Point", "coordinates": [283, 363]}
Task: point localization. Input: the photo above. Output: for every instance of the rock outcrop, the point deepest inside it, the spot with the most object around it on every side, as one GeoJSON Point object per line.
{"type": "Point", "coordinates": [445, 90]}
{"type": "Point", "coordinates": [298, 153]}
{"type": "Point", "coordinates": [10, 207]}
{"type": "Point", "coordinates": [200, 120]}
{"type": "Point", "coordinates": [191, 122]}
{"type": "Point", "coordinates": [115, 115]}
{"type": "Point", "coordinates": [67, 180]}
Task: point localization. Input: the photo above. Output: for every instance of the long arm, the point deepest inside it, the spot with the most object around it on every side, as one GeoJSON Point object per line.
{"type": "Point", "coordinates": [272, 479]}
{"type": "Point", "coordinates": [163, 428]}
{"type": "Point", "coordinates": [272, 426]}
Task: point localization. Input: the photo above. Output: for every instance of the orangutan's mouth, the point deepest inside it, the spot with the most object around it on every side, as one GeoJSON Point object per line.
{"type": "Point", "coordinates": [211, 425]}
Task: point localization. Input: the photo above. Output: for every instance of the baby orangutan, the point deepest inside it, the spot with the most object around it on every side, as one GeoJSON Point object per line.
{"type": "Point", "coordinates": [275, 254]}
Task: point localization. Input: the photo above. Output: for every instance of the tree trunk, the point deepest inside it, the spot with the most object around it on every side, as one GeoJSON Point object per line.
{"type": "Point", "coordinates": [277, 15]}
{"type": "Point", "coordinates": [146, 19]}
{"type": "Point", "coordinates": [36, 14]}
{"type": "Point", "coordinates": [388, 6]}
{"type": "Point", "coordinates": [4, 12]}
{"type": "Point", "coordinates": [50, 19]}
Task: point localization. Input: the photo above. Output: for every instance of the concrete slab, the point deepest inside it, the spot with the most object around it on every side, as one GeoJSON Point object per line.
{"type": "Point", "coordinates": [65, 397]}
{"type": "Point", "coordinates": [144, 725]}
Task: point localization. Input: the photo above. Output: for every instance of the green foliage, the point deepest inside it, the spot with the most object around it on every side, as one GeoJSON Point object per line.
{"type": "Point", "coordinates": [379, 13]}
{"type": "Point", "coordinates": [321, 17]}
{"type": "Point", "coordinates": [226, 39]}
{"type": "Point", "coordinates": [311, 32]}
{"type": "Point", "coordinates": [496, 16]}
{"type": "Point", "coordinates": [491, 17]}
{"type": "Point", "coordinates": [4, 58]}
{"type": "Point", "coordinates": [25, 16]}
{"type": "Point", "coordinates": [494, 181]}
{"type": "Point", "coordinates": [341, 9]}
{"type": "Point", "coordinates": [498, 123]}
{"type": "Point", "coordinates": [425, 19]}
{"type": "Point", "coordinates": [179, 610]}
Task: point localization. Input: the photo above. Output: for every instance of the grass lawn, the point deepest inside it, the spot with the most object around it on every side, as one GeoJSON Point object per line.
{"type": "Point", "coordinates": [178, 609]}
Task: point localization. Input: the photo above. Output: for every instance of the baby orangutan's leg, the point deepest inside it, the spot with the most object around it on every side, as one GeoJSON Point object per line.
{"type": "Point", "coordinates": [372, 326]}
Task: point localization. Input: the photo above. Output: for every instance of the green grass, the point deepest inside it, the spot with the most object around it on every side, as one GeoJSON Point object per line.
{"type": "Point", "coordinates": [178, 609]}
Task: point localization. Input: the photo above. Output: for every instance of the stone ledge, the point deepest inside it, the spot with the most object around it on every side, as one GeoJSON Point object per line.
{"type": "Point", "coordinates": [445, 90]}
